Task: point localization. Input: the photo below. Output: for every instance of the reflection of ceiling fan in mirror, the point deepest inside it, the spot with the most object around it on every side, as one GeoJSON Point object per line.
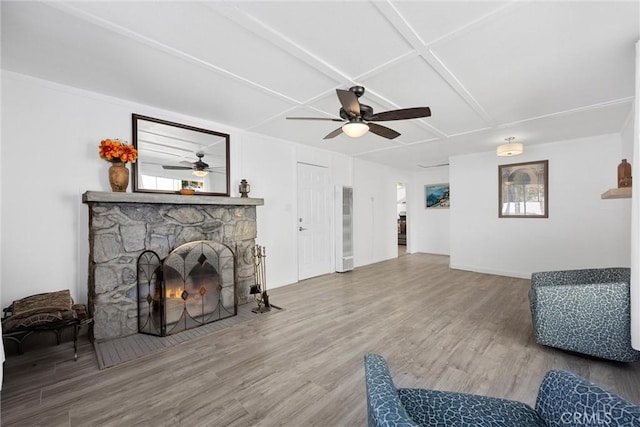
{"type": "Point", "coordinates": [200, 168]}
{"type": "Point", "coordinates": [359, 117]}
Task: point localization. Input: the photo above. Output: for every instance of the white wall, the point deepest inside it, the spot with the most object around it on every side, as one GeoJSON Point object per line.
{"type": "Point", "coordinates": [635, 214]}
{"type": "Point", "coordinates": [270, 166]}
{"type": "Point", "coordinates": [582, 231]}
{"type": "Point", "coordinates": [428, 228]}
{"type": "Point", "coordinates": [2, 180]}
{"type": "Point", "coordinates": [265, 164]}
{"type": "Point", "coordinates": [375, 217]}
{"type": "Point", "coordinates": [50, 158]}
{"type": "Point", "coordinates": [627, 136]}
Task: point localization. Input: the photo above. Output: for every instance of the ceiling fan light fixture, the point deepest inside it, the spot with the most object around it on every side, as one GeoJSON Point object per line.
{"type": "Point", "coordinates": [355, 129]}
{"type": "Point", "coordinates": [510, 148]}
{"type": "Point", "coordinates": [200, 174]}
{"type": "Point", "coordinates": [355, 113]}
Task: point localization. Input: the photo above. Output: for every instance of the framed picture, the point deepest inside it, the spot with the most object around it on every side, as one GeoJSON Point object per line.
{"type": "Point", "coordinates": [523, 190]}
{"type": "Point", "coordinates": [436, 196]}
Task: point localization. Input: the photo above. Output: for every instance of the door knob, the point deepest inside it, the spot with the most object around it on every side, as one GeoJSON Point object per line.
{"type": "Point", "coordinates": [301, 228]}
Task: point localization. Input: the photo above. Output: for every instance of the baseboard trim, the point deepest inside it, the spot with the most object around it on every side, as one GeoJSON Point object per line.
{"type": "Point", "coordinates": [518, 275]}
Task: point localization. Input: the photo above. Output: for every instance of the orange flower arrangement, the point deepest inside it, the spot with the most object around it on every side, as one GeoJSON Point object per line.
{"type": "Point", "coordinates": [114, 151]}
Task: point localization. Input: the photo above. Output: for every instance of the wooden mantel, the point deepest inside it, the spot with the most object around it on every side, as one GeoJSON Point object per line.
{"type": "Point", "coordinates": [169, 199]}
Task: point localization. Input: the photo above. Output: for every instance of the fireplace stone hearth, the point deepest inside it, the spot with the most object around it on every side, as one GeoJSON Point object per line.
{"type": "Point", "coordinates": [123, 225]}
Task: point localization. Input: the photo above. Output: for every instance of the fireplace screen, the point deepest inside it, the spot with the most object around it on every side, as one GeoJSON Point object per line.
{"type": "Point", "coordinates": [194, 285]}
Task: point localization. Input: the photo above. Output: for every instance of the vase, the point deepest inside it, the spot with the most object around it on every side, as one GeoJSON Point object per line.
{"type": "Point", "coordinates": [624, 174]}
{"type": "Point", "coordinates": [119, 177]}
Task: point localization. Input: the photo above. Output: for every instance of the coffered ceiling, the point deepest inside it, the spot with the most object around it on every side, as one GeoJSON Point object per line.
{"type": "Point", "coordinates": [537, 71]}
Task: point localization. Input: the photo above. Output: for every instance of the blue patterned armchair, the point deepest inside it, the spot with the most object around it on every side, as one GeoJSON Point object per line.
{"type": "Point", "coordinates": [585, 311]}
{"type": "Point", "coordinates": [564, 399]}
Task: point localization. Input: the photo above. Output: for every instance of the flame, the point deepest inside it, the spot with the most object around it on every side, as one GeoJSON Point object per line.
{"type": "Point", "coordinates": [173, 293]}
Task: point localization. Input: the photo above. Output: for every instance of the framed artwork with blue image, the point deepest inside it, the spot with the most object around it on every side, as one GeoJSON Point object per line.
{"type": "Point", "coordinates": [437, 196]}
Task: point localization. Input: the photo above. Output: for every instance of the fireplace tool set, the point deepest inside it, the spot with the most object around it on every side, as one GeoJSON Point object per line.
{"type": "Point", "coordinates": [259, 289]}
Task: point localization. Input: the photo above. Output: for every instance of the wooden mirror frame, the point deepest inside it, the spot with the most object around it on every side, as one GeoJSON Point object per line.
{"type": "Point", "coordinates": [136, 118]}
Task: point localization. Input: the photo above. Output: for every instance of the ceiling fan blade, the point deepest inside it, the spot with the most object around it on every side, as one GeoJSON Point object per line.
{"type": "Point", "coordinates": [433, 166]}
{"type": "Point", "coordinates": [403, 114]}
{"type": "Point", "coordinates": [215, 171]}
{"type": "Point", "coordinates": [334, 133]}
{"type": "Point", "coordinates": [177, 167]}
{"type": "Point", "coordinates": [383, 131]}
{"type": "Point", "coordinates": [315, 118]}
{"type": "Point", "coordinates": [349, 102]}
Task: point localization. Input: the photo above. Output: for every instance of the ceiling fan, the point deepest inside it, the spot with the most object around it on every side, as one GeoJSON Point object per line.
{"type": "Point", "coordinates": [360, 118]}
{"type": "Point", "coordinates": [200, 168]}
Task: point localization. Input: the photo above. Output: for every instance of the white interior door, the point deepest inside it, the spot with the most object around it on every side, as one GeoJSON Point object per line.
{"type": "Point", "coordinates": [314, 221]}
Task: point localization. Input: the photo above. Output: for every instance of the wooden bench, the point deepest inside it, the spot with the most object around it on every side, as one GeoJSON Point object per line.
{"type": "Point", "coordinates": [51, 311]}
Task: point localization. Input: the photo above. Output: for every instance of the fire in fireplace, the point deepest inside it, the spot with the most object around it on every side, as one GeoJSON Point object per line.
{"type": "Point", "coordinates": [194, 285]}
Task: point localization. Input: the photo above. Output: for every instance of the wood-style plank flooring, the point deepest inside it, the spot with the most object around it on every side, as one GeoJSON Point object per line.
{"type": "Point", "coordinates": [115, 351]}
{"type": "Point", "coordinates": [438, 328]}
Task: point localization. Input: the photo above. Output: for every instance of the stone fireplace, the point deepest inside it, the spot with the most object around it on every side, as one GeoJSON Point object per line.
{"type": "Point", "coordinates": [124, 225]}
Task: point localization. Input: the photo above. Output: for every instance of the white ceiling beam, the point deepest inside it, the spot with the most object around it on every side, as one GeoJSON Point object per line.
{"type": "Point", "coordinates": [111, 26]}
{"type": "Point", "coordinates": [265, 32]}
{"type": "Point", "coordinates": [627, 100]}
{"type": "Point", "coordinates": [395, 18]}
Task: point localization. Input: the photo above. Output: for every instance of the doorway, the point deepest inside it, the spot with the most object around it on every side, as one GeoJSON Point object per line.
{"type": "Point", "coordinates": [314, 221]}
{"type": "Point", "coordinates": [401, 217]}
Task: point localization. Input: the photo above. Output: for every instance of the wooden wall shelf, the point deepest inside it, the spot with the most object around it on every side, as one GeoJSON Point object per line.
{"type": "Point", "coordinates": [617, 193]}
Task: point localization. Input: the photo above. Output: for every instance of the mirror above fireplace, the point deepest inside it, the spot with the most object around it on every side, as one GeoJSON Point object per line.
{"type": "Point", "coordinates": [173, 157]}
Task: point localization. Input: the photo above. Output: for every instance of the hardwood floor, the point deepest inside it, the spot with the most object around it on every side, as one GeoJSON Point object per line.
{"type": "Point", "coordinates": [437, 328]}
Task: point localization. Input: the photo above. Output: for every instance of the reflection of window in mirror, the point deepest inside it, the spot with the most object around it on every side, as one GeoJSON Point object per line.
{"type": "Point", "coordinates": [173, 156]}
{"type": "Point", "coordinates": [171, 185]}
{"type": "Point", "coordinates": [193, 185]}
